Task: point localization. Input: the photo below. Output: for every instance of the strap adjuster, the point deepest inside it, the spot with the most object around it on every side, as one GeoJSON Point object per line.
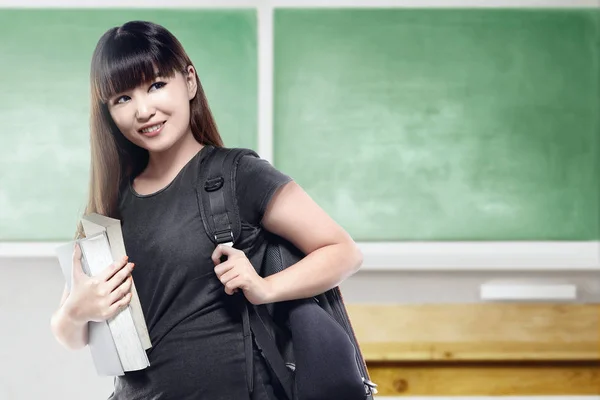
{"type": "Point", "coordinates": [224, 236]}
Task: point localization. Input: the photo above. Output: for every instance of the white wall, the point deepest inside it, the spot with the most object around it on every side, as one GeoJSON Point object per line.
{"type": "Point", "coordinates": [35, 366]}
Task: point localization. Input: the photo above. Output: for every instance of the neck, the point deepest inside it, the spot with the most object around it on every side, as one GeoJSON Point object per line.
{"type": "Point", "coordinates": [165, 163]}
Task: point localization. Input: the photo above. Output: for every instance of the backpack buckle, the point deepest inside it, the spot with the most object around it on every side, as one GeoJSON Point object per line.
{"type": "Point", "coordinates": [370, 387]}
{"type": "Point", "coordinates": [224, 237]}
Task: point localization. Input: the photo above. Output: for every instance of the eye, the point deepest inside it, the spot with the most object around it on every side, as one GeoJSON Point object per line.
{"type": "Point", "coordinates": [157, 85]}
{"type": "Point", "coordinates": [121, 100]}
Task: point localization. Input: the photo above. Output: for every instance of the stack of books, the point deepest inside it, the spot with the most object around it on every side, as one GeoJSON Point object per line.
{"type": "Point", "coordinates": [118, 344]}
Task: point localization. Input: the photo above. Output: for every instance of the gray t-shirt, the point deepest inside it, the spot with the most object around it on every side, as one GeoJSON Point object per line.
{"type": "Point", "coordinates": [195, 329]}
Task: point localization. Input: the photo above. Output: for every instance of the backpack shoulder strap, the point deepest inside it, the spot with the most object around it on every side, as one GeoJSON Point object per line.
{"type": "Point", "coordinates": [220, 215]}
{"type": "Point", "coordinates": [216, 194]}
{"type": "Point", "coordinates": [216, 198]}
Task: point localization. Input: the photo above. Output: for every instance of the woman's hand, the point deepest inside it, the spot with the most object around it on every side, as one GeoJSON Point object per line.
{"type": "Point", "coordinates": [99, 297]}
{"type": "Point", "coordinates": [238, 273]}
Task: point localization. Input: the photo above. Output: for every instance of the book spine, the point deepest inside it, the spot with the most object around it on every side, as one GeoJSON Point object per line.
{"type": "Point", "coordinates": [138, 318]}
{"type": "Point", "coordinates": [131, 353]}
{"type": "Point", "coordinates": [115, 238]}
{"type": "Point", "coordinates": [100, 341]}
{"type": "Point", "coordinates": [97, 253]}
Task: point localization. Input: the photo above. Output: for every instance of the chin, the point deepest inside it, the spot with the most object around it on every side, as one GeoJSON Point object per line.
{"type": "Point", "coordinates": [159, 146]}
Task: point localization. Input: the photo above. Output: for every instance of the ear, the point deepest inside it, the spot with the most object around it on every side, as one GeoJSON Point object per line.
{"type": "Point", "coordinates": [191, 82]}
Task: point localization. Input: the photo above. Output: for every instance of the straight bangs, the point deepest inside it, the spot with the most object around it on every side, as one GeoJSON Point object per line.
{"type": "Point", "coordinates": [129, 63]}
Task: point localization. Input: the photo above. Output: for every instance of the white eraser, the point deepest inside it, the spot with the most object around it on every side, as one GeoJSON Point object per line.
{"type": "Point", "coordinates": [528, 291]}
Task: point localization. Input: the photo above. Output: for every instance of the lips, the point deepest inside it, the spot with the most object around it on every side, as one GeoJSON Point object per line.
{"type": "Point", "coordinates": [152, 130]}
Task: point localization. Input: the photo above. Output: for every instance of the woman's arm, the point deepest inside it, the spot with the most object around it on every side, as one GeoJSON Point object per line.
{"type": "Point", "coordinates": [69, 332]}
{"type": "Point", "coordinates": [332, 255]}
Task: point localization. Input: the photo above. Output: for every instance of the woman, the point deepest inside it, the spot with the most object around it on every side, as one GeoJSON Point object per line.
{"type": "Point", "coordinates": [151, 129]}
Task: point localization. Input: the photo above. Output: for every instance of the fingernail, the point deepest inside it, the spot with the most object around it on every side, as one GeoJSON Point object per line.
{"type": "Point", "coordinates": [132, 265]}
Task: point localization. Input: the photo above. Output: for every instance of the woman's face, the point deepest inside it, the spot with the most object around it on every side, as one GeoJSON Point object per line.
{"type": "Point", "coordinates": [155, 115]}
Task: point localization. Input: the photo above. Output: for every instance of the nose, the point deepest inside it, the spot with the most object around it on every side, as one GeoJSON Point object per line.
{"type": "Point", "coordinates": [144, 110]}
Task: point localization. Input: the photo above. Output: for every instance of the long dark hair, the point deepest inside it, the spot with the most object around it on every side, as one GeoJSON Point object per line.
{"type": "Point", "coordinates": [126, 57]}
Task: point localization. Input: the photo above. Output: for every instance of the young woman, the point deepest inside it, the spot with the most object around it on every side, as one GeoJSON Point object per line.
{"type": "Point", "coordinates": [151, 129]}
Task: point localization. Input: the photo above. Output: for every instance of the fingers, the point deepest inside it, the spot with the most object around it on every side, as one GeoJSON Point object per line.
{"type": "Point", "coordinates": [77, 269]}
{"type": "Point", "coordinates": [119, 305]}
{"type": "Point", "coordinates": [232, 278]}
{"type": "Point", "coordinates": [122, 290]}
{"type": "Point", "coordinates": [228, 276]}
{"type": "Point", "coordinates": [118, 278]}
{"type": "Point", "coordinates": [223, 268]}
{"type": "Point", "coordinates": [233, 285]}
{"type": "Point", "coordinates": [227, 281]}
{"type": "Point", "coordinates": [223, 250]}
{"type": "Point", "coordinates": [113, 269]}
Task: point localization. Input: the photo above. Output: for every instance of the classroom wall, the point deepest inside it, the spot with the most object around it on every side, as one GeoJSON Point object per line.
{"type": "Point", "coordinates": [35, 364]}
{"type": "Point", "coordinates": [30, 285]}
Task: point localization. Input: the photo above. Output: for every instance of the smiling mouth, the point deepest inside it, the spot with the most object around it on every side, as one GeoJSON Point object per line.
{"type": "Point", "coordinates": [152, 128]}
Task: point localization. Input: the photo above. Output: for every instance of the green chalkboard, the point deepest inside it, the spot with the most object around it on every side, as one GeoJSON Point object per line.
{"type": "Point", "coordinates": [443, 124]}
{"type": "Point", "coordinates": [44, 108]}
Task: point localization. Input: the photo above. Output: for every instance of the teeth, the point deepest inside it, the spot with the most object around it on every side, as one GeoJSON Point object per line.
{"type": "Point", "coordinates": [152, 128]}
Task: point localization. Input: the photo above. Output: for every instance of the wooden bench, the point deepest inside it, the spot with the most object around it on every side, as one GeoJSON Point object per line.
{"type": "Point", "coordinates": [480, 348]}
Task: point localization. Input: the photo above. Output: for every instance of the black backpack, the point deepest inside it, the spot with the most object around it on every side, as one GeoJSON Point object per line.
{"type": "Point", "coordinates": [308, 344]}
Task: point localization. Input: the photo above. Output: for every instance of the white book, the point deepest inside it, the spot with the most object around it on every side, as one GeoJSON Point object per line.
{"type": "Point", "coordinates": [114, 344]}
{"type": "Point", "coordinates": [97, 256]}
{"type": "Point", "coordinates": [95, 223]}
{"type": "Point", "coordinates": [100, 341]}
